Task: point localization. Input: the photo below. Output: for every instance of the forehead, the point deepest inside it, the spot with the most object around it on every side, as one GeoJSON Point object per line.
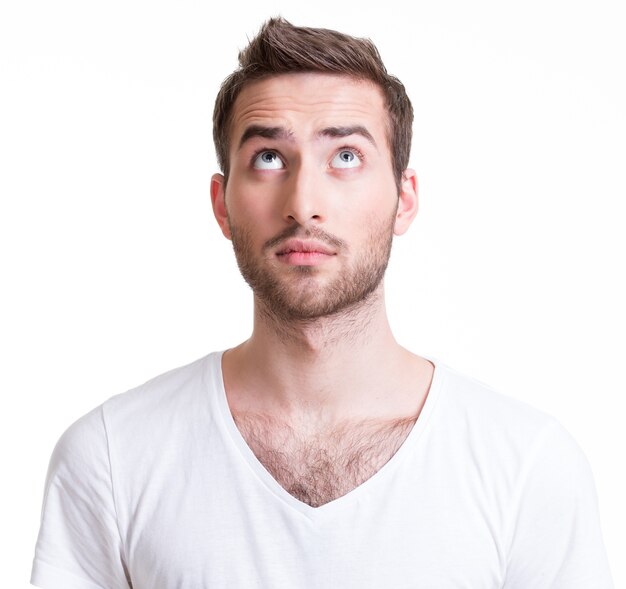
{"type": "Point", "coordinates": [307, 102]}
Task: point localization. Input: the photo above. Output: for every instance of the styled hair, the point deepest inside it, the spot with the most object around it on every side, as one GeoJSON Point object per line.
{"type": "Point", "coordinates": [282, 48]}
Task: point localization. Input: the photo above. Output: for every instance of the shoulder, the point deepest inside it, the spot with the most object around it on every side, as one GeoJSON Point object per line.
{"type": "Point", "coordinates": [159, 403]}
{"type": "Point", "coordinates": [82, 448]}
{"type": "Point", "coordinates": [475, 404]}
{"type": "Point", "coordinates": [181, 389]}
{"type": "Point", "coordinates": [499, 431]}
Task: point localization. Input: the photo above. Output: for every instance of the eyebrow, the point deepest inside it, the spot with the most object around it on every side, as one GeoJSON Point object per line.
{"type": "Point", "coordinates": [266, 133]}
{"type": "Point", "coordinates": [347, 131]}
{"type": "Point", "coordinates": [286, 134]}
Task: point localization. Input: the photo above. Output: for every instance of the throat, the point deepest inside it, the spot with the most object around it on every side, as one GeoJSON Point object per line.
{"type": "Point", "coordinates": [321, 467]}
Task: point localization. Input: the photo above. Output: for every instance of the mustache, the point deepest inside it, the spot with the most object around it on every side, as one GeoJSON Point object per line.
{"type": "Point", "coordinates": [300, 232]}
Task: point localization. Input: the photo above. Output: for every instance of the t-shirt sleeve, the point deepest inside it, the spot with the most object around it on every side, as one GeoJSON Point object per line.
{"type": "Point", "coordinates": [79, 544]}
{"type": "Point", "coordinates": [556, 540]}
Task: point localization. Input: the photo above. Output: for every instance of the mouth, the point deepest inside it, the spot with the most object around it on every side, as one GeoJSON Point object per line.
{"type": "Point", "coordinates": [305, 247]}
{"type": "Point", "coordinates": [297, 252]}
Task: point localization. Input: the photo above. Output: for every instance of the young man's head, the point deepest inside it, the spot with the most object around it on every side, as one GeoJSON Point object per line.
{"type": "Point", "coordinates": [281, 48]}
{"type": "Point", "coordinates": [313, 137]}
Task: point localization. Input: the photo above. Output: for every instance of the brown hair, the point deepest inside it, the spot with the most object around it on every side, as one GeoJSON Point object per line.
{"type": "Point", "coordinates": [281, 48]}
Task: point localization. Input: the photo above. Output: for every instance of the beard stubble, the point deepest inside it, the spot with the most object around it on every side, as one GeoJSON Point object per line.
{"type": "Point", "coordinates": [294, 293]}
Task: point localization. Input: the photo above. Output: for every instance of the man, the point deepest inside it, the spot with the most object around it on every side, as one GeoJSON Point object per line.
{"type": "Point", "coordinates": [318, 453]}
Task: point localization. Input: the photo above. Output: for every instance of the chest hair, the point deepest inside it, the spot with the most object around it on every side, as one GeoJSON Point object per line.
{"type": "Point", "coordinates": [317, 467]}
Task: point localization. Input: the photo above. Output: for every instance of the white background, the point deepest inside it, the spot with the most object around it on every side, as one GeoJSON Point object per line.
{"type": "Point", "coordinates": [114, 270]}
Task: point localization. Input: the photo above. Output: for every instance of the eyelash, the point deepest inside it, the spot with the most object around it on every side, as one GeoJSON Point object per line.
{"type": "Point", "coordinates": [351, 148]}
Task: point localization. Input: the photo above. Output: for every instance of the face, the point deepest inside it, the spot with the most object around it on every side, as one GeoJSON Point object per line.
{"type": "Point", "coordinates": [311, 204]}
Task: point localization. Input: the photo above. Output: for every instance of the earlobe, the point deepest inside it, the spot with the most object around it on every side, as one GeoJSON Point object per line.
{"type": "Point", "coordinates": [218, 201]}
{"type": "Point", "coordinates": [408, 202]}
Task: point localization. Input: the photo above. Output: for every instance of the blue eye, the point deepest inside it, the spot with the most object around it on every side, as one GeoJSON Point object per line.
{"type": "Point", "coordinates": [346, 158]}
{"type": "Point", "coordinates": [268, 160]}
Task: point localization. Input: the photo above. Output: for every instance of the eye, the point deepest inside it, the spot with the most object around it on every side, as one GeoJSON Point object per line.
{"type": "Point", "coordinates": [346, 158]}
{"type": "Point", "coordinates": [267, 160]}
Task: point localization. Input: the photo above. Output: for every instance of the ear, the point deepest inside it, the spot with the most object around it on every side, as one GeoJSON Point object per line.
{"type": "Point", "coordinates": [408, 202]}
{"type": "Point", "coordinates": [218, 193]}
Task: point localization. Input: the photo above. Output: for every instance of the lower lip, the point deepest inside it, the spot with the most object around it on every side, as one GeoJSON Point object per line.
{"type": "Point", "coordinates": [304, 258]}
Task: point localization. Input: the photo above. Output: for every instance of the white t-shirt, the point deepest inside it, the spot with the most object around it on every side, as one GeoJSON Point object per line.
{"type": "Point", "coordinates": [158, 488]}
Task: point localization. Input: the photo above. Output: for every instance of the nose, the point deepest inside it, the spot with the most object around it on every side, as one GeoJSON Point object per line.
{"type": "Point", "coordinates": [303, 201]}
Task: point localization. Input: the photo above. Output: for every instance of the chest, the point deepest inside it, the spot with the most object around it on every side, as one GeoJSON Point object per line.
{"type": "Point", "coordinates": [318, 466]}
{"type": "Point", "coordinates": [217, 523]}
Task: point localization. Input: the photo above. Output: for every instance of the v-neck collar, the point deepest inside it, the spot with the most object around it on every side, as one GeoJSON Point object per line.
{"type": "Point", "coordinates": [214, 366]}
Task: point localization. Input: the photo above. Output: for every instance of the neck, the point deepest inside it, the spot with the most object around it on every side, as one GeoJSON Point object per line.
{"type": "Point", "coordinates": [312, 340]}
{"type": "Point", "coordinates": [347, 364]}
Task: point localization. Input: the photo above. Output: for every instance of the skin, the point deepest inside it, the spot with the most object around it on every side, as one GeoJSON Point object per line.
{"type": "Point", "coordinates": [315, 360]}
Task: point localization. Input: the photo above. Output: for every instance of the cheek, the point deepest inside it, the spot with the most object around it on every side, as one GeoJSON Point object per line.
{"type": "Point", "coordinates": [374, 204]}
{"type": "Point", "coordinates": [380, 224]}
{"type": "Point", "coordinates": [248, 207]}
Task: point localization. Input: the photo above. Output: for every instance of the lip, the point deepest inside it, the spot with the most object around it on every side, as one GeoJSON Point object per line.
{"type": "Point", "coordinates": [298, 252]}
{"type": "Point", "coordinates": [302, 246]}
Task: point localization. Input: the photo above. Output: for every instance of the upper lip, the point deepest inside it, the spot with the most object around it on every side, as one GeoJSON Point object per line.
{"type": "Point", "coordinates": [299, 245]}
